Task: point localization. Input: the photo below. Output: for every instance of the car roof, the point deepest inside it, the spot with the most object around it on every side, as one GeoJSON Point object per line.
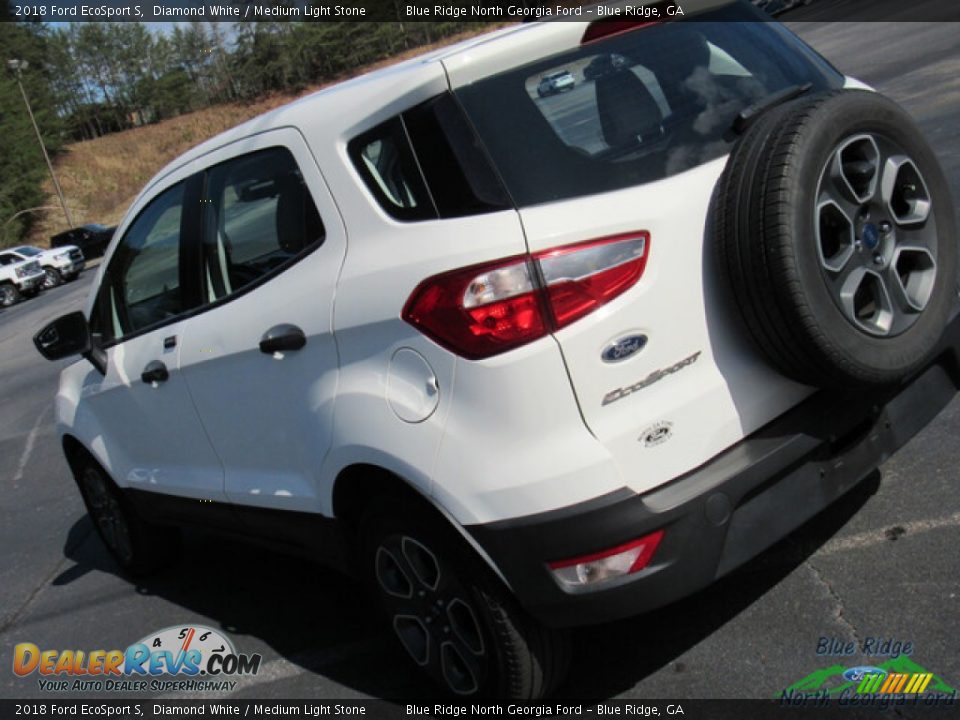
{"type": "Point", "coordinates": [343, 105]}
{"type": "Point", "coordinates": [344, 97]}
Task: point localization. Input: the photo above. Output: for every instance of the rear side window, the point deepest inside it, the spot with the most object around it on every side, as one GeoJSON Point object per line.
{"type": "Point", "coordinates": [259, 218]}
{"type": "Point", "coordinates": [636, 107]}
{"type": "Point", "coordinates": [428, 163]}
{"type": "Point", "coordinates": [385, 160]}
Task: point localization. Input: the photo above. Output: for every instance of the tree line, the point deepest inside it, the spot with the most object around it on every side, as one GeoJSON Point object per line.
{"type": "Point", "coordinates": [88, 79]}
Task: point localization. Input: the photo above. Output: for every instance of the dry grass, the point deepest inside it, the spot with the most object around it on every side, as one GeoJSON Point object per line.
{"type": "Point", "coordinates": [100, 178]}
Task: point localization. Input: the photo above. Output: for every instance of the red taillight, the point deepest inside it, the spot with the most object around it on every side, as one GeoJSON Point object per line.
{"type": "Point", "coordinates": [607, 564]}
{"type": "Point", "coordinates": [484, 310]}
{"type": "Point", "coordinates": [580, 278]}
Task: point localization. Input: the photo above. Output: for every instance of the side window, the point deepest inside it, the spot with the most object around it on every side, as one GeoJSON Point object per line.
{"type": "Point", "coordinates": [384, 159]}
{"type": "Point", "coordinates": [143, 278]}
{"type": "Point", "coordinates": [428, 163]}
{"type": "Point", "coordinates": [8, 259]}
{"type": "Point", "coordinates": [259, 218]}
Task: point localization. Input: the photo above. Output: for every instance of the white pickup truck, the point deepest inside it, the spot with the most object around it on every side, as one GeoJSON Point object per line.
{"type": "Point", "coordinates": [59, 264]}
{"type": "Point", "coordinates": [18, 277]}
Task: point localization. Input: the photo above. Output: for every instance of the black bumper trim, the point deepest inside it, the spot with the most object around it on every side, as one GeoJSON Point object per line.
{"type": "Point", "coordinates": [727, 511]}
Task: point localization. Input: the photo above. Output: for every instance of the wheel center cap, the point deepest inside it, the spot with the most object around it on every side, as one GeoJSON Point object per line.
{"type": "Point", "coordinates": [870, 236]}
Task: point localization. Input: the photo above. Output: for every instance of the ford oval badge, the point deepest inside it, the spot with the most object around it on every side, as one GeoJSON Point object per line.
{"type": "Point", "coordinates": [623, 348]}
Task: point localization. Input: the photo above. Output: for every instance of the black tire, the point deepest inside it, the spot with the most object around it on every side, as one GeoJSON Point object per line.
{"type": "Point", "coordinates": [498, 651]}
{"type": "Point", "coordinates": [138, 547]}
{"type": "Point", "coordinates": [52, 277]}
{"type": "Point", "coordinates": [828, 297]}
{"type": "Point", "coordinates": [9, 294]}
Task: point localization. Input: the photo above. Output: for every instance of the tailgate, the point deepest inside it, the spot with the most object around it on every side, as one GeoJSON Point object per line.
{"type": "Point", "coordinates": [664, 375]}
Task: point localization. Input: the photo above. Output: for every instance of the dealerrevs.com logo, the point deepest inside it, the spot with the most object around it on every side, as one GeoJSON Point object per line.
{"type": "Point", "coordinates": [205, 657]}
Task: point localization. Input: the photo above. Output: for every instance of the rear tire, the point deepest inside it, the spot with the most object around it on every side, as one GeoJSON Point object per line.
{"type": "Point", "coordinates": [451, 614]}
{"type": "Point", "coordinates": [139, 547]}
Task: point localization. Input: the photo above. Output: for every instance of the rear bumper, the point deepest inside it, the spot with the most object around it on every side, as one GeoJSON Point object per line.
{"type": "Point", "coordinates": [727, 511]}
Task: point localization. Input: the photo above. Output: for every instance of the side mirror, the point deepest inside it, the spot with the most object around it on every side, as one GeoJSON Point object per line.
{"type": "Point", "coordinates": [67, 335]}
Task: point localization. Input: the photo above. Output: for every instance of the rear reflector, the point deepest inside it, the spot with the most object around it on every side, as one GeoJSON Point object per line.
{"type": "Point", "coordinates": [484, 310]}
{"type": "Point", "coordinates": [607, 564]}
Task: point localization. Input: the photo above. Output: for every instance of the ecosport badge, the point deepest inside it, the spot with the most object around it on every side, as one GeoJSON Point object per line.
{"type": "Point", "coordinates": [649, 380]}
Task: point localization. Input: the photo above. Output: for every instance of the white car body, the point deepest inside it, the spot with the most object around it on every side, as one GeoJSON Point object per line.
{"type": "Point", "coordinates": [563, 448]}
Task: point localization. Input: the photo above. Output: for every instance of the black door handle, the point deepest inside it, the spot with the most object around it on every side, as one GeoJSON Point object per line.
{"type": "Point", "coordinates": [155, 372]}
{"type": "Point", "coordinates": [282, 338]}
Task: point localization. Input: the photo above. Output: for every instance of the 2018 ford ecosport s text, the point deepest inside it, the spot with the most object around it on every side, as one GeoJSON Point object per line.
{"type": "Point", "coordinates": [523, 363]}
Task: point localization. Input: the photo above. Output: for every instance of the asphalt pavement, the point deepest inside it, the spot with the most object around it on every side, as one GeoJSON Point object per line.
{"type": "Point", "coordinates": [883, 563]}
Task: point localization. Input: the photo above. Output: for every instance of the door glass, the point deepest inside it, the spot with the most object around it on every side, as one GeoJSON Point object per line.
{"type": "Point", "coordinates": [259, 218]}
{"type": "Point", "coordinates": [144, 272]}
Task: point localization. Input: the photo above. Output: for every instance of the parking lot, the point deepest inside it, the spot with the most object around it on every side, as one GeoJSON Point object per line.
{"type": "Point", "coordinates": [883, 563]}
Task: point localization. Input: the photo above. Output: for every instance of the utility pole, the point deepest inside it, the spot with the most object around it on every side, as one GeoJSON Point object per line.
{"type": "Point", "coordinates": [18, 66]}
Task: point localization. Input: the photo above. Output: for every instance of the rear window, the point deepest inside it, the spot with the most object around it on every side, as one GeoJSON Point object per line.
{"type": "Point", "coordinates": [644, 105]}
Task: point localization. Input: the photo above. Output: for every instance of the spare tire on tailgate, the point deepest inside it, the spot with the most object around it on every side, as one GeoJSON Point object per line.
{"type": "Point", "coordinates": [836, 236]}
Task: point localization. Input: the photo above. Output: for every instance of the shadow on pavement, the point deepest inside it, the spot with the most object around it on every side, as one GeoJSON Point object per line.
{"type": "Point", "coordinates": [329, 625]}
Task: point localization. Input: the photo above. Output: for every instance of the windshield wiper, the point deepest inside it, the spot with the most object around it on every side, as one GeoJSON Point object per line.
{"type": "Point", "coordinates": [746, 117]}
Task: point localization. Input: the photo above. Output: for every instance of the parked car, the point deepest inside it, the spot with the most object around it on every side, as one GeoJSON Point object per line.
{"type": "Point", "coordinates": [521, 381]}
{"type": "Point", "coordinates": [555, 83]}
{"type": "Point", "coordinates": [59, 265]}
{"type": "Point", "coordinates": [604, 65]}
{"type": "Point", "coordinates": [18, 278]}
{"type": "Point", "coordinates": [92, 239]}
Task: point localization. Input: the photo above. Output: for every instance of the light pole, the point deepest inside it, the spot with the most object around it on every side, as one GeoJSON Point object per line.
{"type": "Point", "coordinates": [18, 66]}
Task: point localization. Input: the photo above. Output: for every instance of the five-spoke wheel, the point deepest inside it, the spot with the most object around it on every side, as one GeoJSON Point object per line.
{"type": "Point", "coordinates": [876, 234]}
{"type": "Point", "coordinates": [453, 617]}
{"type": "Point", "coordinates": [432, 613]}
{"type": "Point", "coordinates": [836, 236]}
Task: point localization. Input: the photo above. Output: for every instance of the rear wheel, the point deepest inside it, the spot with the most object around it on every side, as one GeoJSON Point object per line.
{"type": "Point", "coordinates": [452, 616]}
{"type": "Point", "coordinates": [51, 277]}
{"type": "Point", "coordinates": [138, 546]}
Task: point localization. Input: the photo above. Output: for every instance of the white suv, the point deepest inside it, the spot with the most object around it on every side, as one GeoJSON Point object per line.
{"type": "Point", "coordinates": [18, 278]}
{"type": "Point", "coordinates": [59, 264]}
{"type": "Point", "coordinates": [523, 363]}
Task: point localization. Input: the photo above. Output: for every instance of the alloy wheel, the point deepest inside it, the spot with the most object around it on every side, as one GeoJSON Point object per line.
{"type": "Point", "coordinates": [431, 613]}
{"type": "Point", "coordinates": [108, 514]}
{"type": "Point", "coordinates": [876, 234]}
